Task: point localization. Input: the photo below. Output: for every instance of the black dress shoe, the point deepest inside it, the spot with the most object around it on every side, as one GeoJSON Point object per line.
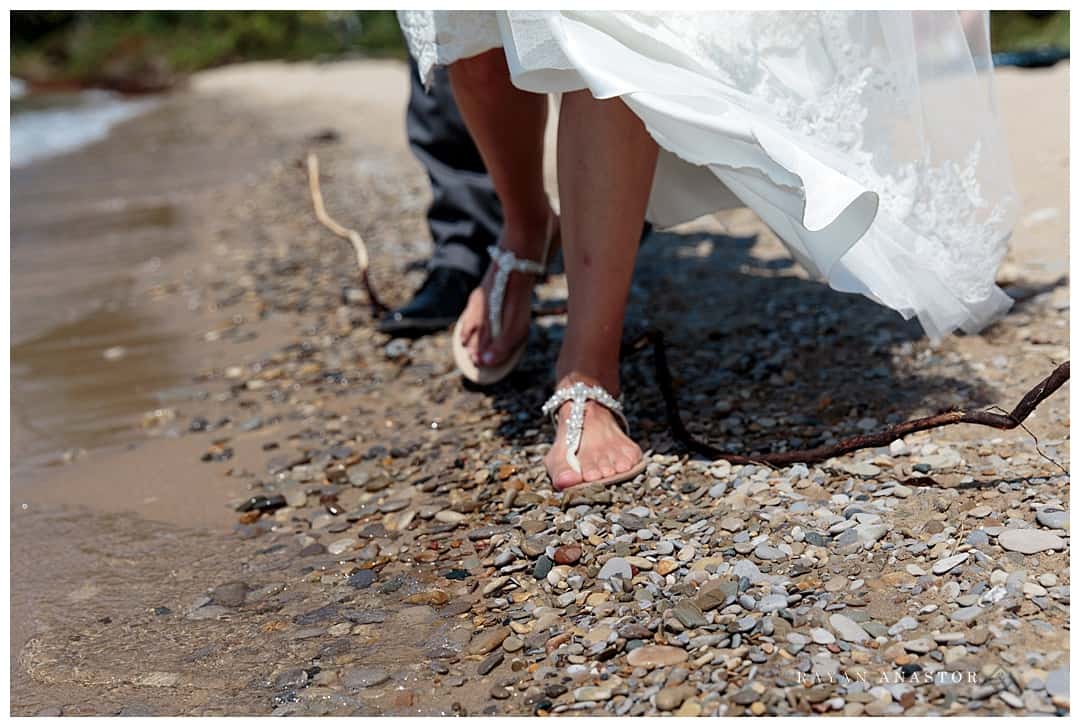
{"type": "Point", "coordinates": [436, 306]}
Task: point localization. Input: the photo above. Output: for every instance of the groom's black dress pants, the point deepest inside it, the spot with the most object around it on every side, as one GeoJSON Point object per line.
{"type": "Point", "coordinates": [465, 216]}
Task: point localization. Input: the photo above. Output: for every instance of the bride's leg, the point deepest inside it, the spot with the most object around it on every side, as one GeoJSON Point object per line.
{"type": "Point", "coordinates": [507, 125]}
{"type": "Point", "coordinates": [606, 161]}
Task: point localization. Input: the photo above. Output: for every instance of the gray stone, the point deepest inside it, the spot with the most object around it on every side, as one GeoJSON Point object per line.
{"type": "Point", "coordinates": [490, 662]}
{"type": "Point", "coordinates": [1052, 517]}
{"type": "Point", "coordinates": [592, 693]}
{"type": "Point", "coordinates": [871, 533]}
{"type": "Point", "coordinates": [1057, 682]}
{"type": "Point", "coordinates": [847, 628]}
{"type": "Point", "coordinates": [207, 613]}
{"type": "Point", "coordinates": [615, 567]}
{"type": "Point", "coordinates": [1029, 541]}
{"type": "Point", "coordinates": [947, 564]}
{"type": "Point", "coordinates": [769, 552]}
{"type": "Point", "coordinates": [362, 578]}
{"type": "Point", "coordinates": [669, 699]}
{"type": "Point", "coordinates": [296, 678]}
{"type": "Point", "coordinates": [772, 602]}
{"type": "Point", "coordinates": [230, 595]}
{"type": "Point", "coordinates": [362, 677]}
{"type": "Point", "coordinates": [966, 615]}
{"type": "Point", "coordinates": [689, 614]}
{"type": "Point", "coordinates": [907, 623]}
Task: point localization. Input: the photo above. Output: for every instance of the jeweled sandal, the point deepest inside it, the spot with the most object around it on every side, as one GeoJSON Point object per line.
{"type": "Point", "coordinates": [505, 262]}
{"type": "Point", "coordinates": [579, 393]}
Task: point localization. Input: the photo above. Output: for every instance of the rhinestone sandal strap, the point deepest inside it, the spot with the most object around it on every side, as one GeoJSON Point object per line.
{"type": "Point", "coordinates": [505, 262]}
{"type": "Point", "coordinates": [580, 393]}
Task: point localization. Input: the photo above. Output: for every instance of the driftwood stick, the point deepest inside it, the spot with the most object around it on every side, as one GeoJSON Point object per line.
{"type": "Point", "coordinates": [882, 438]}
{"type": "Point", "coordinates": [655, 337]}
{"type": "Point", "coordinates": [377, 306]}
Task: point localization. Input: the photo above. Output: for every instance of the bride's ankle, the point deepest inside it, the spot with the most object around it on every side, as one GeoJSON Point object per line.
{"type": "Point", "coordinates": [608, 381]}
{"type": "Point", "coordinates": [528, 236]}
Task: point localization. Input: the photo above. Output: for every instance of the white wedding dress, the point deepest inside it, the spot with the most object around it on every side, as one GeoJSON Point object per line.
{"type": "Point", "coordinates": [867, 140]}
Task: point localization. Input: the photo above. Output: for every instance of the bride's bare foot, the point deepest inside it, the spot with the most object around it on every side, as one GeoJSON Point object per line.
{"type": "Point", "coordinates": [527, 243]}
{"type": "Point", "coordinates": [605, 450]}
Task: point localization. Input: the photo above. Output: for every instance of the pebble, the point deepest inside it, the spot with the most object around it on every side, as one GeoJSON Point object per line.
{"type": "Point", "coordinates": [1053, 518]}
{"type": "Point", "coordinates": [490, 662]}
{"type": "Point", "coordinates": [821, 636]}
{"type": "Point", "coordinates": [229, 595]}
{"type": "Point", "coordinates": [966, 615]}
{"type": "Point", "coordinates": [340, 546]}
{"type": "Point", "coordinates": [669, 699]}
{"type": "Point", "coordinates": [488, 640]}
{"type": "Point", "coordinates": [592, 694]}
{"type": "Point", "coordinates": [363, 677]}
{"type": "Point", "coordinates": [846, 628]}
{"type": "Point", "coordinates": [653, 656]}
{"type": "Point", "coordinates": [768, 552]}
{"type": "Point", "coordinates": [451, 517]}
{"type": "Point", "coordinates": [871, 533]}
{"type": "Point", "coordinates": [567, 554]}
{"type": "Point", "coordinates": [947, 564]}
{"type": "Point", "coordinates": [543, 567]}
{"type": "Point", "coordinates": [918, 646]}
{"type": "Point", "coordinates": [1029, 541]}
{"type": "Point", "coordinates": [616, 566]}
{"type": "Point", "coordinates": [772, 603]}
{"type": "Point", "coordinates": [689, 614]}
{"type": "Point", "coordinates": [1057, 682]}
{"type": "Point", "coordinates": [362, 578]}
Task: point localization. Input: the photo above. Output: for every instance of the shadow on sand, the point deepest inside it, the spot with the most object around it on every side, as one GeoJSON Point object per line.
{"type": "Point", "coordinates": [763, 359]}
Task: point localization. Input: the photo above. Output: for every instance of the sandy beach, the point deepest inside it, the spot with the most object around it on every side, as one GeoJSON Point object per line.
{"type": "Point", "coordinates": [185, 337]}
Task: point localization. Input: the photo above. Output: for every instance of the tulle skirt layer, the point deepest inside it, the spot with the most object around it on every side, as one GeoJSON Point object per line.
{"type": "Point", "coordinates": [867, 140]}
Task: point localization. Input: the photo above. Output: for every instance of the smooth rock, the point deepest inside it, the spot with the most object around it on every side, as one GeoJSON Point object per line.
{"type": "Point", "coordinates": [615, 567]}
{"type": "Point", "coordinates": [847, 628]}
{"type": "Point", "coordinates": [689, 614]}
{"type": "Point", "coordinates": [652, 656]}
{"type": "Point", "coordinates": [947, 564]}
{"type": "Point", "coordinates": [669, 699]}
{"type": "Point", "coordinates": [362, 578]}
{"type": "Point", "coordinates": [966, 615]}
{"type": "Point", "coordinates": [363, 677]}
{"type": "Point", "coordinates": [1052, 517]}
{"type": "Point", "coordinates": [871, 533]}
{"type": "Point", "coordinates": [1057, 682]}
{"type": "Point", "coordinates": [487, 641]}
{"type": "Point", "coordinates": [592, 693]}
{"type": "Point", "coordinates": [567, 554]}
{"type": "Point", "coordinates": [1029, 541]}
{"type": "Point", "coordinates": [229, 595]}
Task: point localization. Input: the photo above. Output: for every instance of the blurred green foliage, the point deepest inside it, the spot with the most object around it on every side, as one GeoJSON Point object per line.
{"type": "Point", "coordinates": [100, 47]}
{"type": "Point", "coordinates": [93, 46]}
{"type": "Point", "coordinates": [1017, 30]}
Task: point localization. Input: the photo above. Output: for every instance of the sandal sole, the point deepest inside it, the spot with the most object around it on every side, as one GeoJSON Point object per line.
{"type": "Point", "coordinates": [483, 375]}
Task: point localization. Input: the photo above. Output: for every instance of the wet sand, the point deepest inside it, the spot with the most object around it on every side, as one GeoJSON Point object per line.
{"type": "Point", "coordinates": [122, 246]}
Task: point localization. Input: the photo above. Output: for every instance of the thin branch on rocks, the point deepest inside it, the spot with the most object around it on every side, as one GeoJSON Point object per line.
{"type": "Point", "coordinates": [377, 306]}
{"type": "Point", "coordinates": [882, 438]}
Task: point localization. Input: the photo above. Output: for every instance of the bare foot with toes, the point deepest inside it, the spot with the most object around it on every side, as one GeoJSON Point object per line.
{"type": "Point", "coordinates": [605, 449]}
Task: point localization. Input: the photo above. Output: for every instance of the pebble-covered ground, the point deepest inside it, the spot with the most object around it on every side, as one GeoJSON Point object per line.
{"type": "Point", "coordinates": [403, 553]}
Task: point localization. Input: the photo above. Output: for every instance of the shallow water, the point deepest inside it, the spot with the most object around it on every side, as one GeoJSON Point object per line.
{"type": "Point", "coordinates": [90, 231]}
{"type": "Point", "coordinates": [44, 126]}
